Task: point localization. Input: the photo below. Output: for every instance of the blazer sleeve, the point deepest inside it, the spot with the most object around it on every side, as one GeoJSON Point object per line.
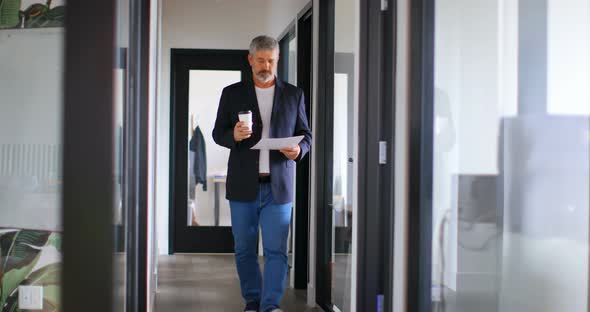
{"type": "Point", "coordinates": [302, 127]}
{"type": "Point", "coordinates": [223, 131]}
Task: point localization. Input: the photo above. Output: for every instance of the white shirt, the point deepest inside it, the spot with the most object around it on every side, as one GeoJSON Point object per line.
{"type": "Point", "coordinates": [265, 98]}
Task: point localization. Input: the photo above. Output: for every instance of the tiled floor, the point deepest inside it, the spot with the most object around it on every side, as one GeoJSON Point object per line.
{"type": "Point", "coordinates": [208, 283]}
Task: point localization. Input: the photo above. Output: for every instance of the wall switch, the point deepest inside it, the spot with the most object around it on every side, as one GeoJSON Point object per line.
{"type": "Point", "coordinates": [30, 297]}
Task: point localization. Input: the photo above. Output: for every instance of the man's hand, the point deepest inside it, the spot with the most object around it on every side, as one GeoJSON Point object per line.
{"type": "Point", "coordinates": [291, 152]}
{"type": "Point", "coordinates": [241, 131]}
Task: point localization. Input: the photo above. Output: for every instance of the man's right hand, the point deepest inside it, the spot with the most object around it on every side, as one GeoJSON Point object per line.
{"type": "Point", "coordinates": [241, 131]}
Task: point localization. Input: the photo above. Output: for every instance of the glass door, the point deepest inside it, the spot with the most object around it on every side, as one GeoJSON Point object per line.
{"type": "Point", "coordinates": [509, 175]}
{"type": "Point", "coordinates": [206, 204]}
{"type": "Point", "coordinates": [337, 139]}
{"type": "Point", "coordinates": [342, 196]}
{"type": "Point", "coordinates": [120, 207]}
{"type": "Point", "coordinates": [343, 131]}
{"type": "Point", "coordinates": [32, 66]}
{"type": "Point", "coordinates": [343, 193]}
{"type": "Point", "coordinates": [287, 72]}
{"type": "Point", "coordinates": [300, 72]}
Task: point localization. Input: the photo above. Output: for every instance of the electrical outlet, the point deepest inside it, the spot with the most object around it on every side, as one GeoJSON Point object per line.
{"type": "Point", "coordinates": [30, 297]}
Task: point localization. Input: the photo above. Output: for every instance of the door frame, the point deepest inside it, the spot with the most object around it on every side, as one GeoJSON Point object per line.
{"type": "Point", "coordinates": [304, 66]}
{"type": "Point", "coordinates": [420, 154]}
{"type": "Point", "coordinates": [283, 73]}
{"type": "Point", "coordinates": [136, 161]}
{"type": "Point", "coordinates": [178, 160]}
{"type": "Point", "coordinates": [376, 115]}
{"type": "Point", "coordinates": [374, 180]}
{"type": "Point", "coordinates": [303, 185]}
{"type": "Point", "coordinates": [376, 160]}
{"type": "Point", "coordinates": [324, 138]}
{"type": "Point", "coordinates": [88, 190]}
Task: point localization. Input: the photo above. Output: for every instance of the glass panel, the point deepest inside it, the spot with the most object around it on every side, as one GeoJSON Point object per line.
{"type": "Point", "coordinates": [31, 107]}
{"type": "Point", "coordinates": [292, 71]}
{"type": "Point", "coordinates": [120, 97]}
{"type": "Point", "coordinates": [207, 170]}
{"type": "Point", "coordinates": [342, 180]}
{"type": "Point", "coordinates": [342, 197]}
{"type": "Point", "coordinates": [292, 79]}
{"type": "Point", "coordinates": [511, 156]}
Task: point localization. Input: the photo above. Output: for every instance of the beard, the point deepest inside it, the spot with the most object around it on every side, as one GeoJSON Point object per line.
{"type": "Point", "coordinates": [264, 76]}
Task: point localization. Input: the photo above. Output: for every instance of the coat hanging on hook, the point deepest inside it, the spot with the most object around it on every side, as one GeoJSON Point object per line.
{"type": "Point", "coordinates": [197, 145]}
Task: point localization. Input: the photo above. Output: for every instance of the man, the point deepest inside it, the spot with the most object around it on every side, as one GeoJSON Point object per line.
{"type": "Point", "coordinates": [260, 183]}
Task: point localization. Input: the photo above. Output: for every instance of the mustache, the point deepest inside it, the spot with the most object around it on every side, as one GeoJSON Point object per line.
{"type": "Point", "coordinates": [263, 72]}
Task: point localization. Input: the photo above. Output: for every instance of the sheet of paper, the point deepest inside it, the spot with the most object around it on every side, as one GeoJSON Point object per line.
{"type": "Point", "coordinates": [277, 143]}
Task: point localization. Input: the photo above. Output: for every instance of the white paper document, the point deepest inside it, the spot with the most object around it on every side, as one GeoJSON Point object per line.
{"type": "Point", "coordinates": [277, 143]}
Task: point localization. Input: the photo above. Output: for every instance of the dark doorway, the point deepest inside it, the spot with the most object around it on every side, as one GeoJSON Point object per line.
{"type": "Point", "coordinates": [199, 212]}
{"type": "Point", "coordinates": [304, 81]}
{"type": "Point", "coordinates": [295, 67]}
{"type": "Point", "coordinates": [324, 138]}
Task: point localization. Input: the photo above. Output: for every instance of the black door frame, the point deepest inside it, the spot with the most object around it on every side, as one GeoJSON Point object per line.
{"type": "Point", "coordinates": [135, 155]}
{"type": "Point", "coordinates": [376, 113]}
{"type": "Point", "coordinates": [283, 74]}
{"type": "Point", "coordinates": [324, 138]}
{"type": "Point", "coordinates": [420, 157]}
{"type": "Point", "coordinates": [88, 190]}
{"type": "Point", "coordinates": [375, 179]}
{"type": "Point", "coordinates": [182, 61]}
{"type": "Point", "coordinates": [303, 185]}
{"type": "Point", "coordinates": [302, 30]}
{"type": "Point", "coordinates": [388, 42]}
{"type": "Point", "coordinates": [376, 131]}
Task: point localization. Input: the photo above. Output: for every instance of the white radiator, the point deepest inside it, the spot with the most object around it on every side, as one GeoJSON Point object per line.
{"type": "Point", "coordinates": [39, 160]}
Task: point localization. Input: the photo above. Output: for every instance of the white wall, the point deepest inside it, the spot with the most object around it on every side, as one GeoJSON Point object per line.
{"type": "Point", "coordinates": [568, 63]}
{"type": "Point", "coordinates": [344, 25]}
{"type": "Point", "coordinates": [203, 24]}
{"type": "Point", "coordinates": [282, 13]}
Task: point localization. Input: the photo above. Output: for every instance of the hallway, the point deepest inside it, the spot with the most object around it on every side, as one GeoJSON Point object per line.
{"type": "Point", "coordinates": [208, 283]}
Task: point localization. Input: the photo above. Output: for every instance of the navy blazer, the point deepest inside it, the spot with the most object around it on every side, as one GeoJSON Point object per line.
{"type": "Point", "coordinates": [288, 119]}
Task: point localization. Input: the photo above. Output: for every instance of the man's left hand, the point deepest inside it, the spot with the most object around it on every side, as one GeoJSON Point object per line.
{"type": "Point", "coordinates": [291, 152]}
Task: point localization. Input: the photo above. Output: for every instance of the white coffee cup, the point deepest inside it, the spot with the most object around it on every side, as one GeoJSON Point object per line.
{"type": "Point", "coordinates": [246, 117]}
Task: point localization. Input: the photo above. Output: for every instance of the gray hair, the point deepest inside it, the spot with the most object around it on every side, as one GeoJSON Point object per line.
{"type": "Point", "coordinates": [263, 43]}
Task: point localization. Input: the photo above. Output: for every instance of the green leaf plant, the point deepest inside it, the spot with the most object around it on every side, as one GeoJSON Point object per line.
{"type": "Point", "coordinates": [19, 253]}
{"type": "Point", "coordinates": [9, 13]}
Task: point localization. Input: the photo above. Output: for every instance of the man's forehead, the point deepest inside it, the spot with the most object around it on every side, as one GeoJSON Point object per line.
{"type": "Point", "coordinates": [266, 53]}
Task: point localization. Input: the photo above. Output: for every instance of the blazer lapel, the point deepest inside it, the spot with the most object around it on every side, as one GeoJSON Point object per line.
{"type": "Point", "coordinates": [253, 101]}
{"type": "Point", "coordinates": [276, 104]}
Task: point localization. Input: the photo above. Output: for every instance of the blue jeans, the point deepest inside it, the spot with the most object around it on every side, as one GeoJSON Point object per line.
{"type": "Point", "coordinates": [274, 220]}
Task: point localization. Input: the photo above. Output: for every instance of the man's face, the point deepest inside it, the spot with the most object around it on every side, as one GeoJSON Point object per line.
{"type": "Point", "coordinates": [264, 64]}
